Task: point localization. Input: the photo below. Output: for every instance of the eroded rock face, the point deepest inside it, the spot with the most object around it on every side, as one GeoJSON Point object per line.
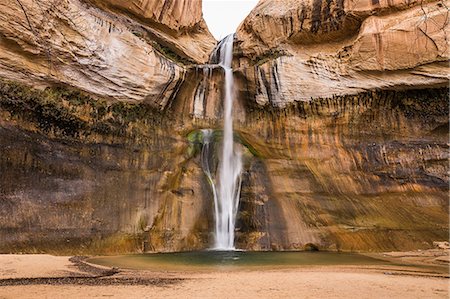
{"type": "Point", "coordinates": [103, 53]}
{"type": "Point", "coordinates": [404, 41]}
{"type": "Point", "coordinates": [352, 173]}
{"type": "Point", "coordinates": [273, 23]}
{"type": "Point", "coordinates": [339, 48]}
{"type": "Point", "coordinates": [179, 23]}
{"type": "Point", "coordinates": [86, 175]}
{"type": "Point", "coordinates": [365, 172]}
{"type": "Point", "coordinates": [340, 116]}
{"type": "Point", "coordinates": [176, 15]}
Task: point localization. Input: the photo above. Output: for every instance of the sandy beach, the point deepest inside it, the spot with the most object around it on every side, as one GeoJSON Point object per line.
{"type": "Point", "coordinates": [45, 276]}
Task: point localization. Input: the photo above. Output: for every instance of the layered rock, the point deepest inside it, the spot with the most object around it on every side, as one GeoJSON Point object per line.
{"type": "Point", "coordinates": [302, 50]}
{"type": "Point", "coordinates": [326, 161]}
{"type": "Point", "coordinates": [116, 52]}
{"type": "Point", "coordinates": [177, 24]}
{"type": "Point", "coordinates": [342, 167]}
{"type": "Point", "coordinates": [102, 52]}
{"type": "Point", "coordinates": [176, 15]}
{"type": "Point", "coordinates": [331, 163]}
{"type": "Point", "coordinates": [364, 172]}
{"type": "Point", "coordinates": [86, 175]}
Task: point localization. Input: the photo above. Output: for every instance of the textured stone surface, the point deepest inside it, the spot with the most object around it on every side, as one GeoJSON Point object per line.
{"type": "Point", "coordinates": [176, 15]}
{"type": "Point", "coordinates": [84, 175]}
{"type": "Point", "coordinates": [341, 49]}
{"type": "Point", "coordinates": [74, 43]}
{"type": "Point", "coordinates": [274, 23]}
{"type": "Point", "coordinates": [341, 117]}
{"type": "Point", "coordinates": [179, 23]}
{"type": "Point", "coordinates": [366, 172]}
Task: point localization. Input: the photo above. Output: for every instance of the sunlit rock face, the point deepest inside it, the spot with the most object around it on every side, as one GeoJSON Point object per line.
{"type": "Point", "coordinates": [341, 114]}
{"type": "Point", "coordinates": [179, 24]}
{"type": "Point", "coordinates": [176, 15]}
{"type": "Point", "coordinates": [298, 50]}
{"type": "Point", "coordinates": [99, 51]}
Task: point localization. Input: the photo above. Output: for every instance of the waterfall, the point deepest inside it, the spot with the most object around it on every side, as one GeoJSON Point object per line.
{"type": "Point", "coordinates": [230, 164]}
{"type": "Point", "coordinates": [226, 192]}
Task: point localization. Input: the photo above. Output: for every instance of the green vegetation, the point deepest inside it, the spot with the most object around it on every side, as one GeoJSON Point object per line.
{"type": "Point", "coordinates": [172, 55]}
{"type": "Point", "coordinates": [162, 48]}
{"type": "Point", "coordinates": [242, 140]}
{"type": "Point", "coordinates": [271, 55]}
{"type": "Point", "coordinates": [65, 112]}
{"type": "Point", "coordinates": [195, 138]}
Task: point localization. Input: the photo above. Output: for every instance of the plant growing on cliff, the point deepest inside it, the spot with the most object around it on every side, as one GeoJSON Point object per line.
{"type": "Point", "coordinates": [266, 57]}
{"type": "Point", "coordinates": [62, 111]}
{"type": "Point", "coordinates": [171, 55]}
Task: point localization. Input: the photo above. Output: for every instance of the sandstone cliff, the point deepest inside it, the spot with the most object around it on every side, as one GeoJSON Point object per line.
{"type": "Point", "coordinates": [180, 16]}
{"type": "Point", "coordinates": [103, 52]}
{"type": "Point", "coordinates": [297, 50]}
{"type": "Point", "coordinates": [341, 109]}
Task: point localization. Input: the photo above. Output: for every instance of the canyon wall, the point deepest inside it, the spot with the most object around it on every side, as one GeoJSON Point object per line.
{"type": "Point", "coordinates": [347, 104]}
{"type": "Point", "coordinates": [365, 172]}
{"type": "Point", "coordinates": [88, 157]}
{"type": "Point", "coordinates": [341, 115]}
{"type": "Point", "coordinates": [102, 52]}
{"type": "Point", "coordinates": [300, 50]}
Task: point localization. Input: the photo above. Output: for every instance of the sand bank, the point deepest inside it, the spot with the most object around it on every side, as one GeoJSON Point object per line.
{"type": "Point", "coordinates": [44, 276]}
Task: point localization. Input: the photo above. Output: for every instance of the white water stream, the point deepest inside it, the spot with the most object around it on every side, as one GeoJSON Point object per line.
{"type": "Point", "coordinates": [226, 194]}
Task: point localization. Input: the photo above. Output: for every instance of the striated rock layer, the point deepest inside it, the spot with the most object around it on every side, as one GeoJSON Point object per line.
{"type": "Point", "coordinates": [86, 175]}
{"type": "Point", "coordinates": [102, 52]}
{"type": "Point", "coordinates": [366, 172]}
{"type": "Point", "coordinates": [297, 50]}
{"type": "Point", "coordinates": [354, 172]}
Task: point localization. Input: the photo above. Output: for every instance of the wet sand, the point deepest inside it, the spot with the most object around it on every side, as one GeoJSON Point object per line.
{"type": "Point", "coordinates": [44, 276]}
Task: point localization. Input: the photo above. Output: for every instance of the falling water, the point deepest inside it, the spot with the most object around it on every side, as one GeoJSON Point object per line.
{"type": "Point", "coordinates": [206, 154]}
{"type": "Point", "coordinates": [226, 194]}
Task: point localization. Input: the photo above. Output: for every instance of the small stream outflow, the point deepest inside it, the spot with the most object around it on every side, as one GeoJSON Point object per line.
{"type": "Point", "coordinates": [226, 189]}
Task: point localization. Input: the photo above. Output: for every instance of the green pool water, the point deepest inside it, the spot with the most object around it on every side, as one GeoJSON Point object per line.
{"type": "Point", "coordinates": [198, 260]}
